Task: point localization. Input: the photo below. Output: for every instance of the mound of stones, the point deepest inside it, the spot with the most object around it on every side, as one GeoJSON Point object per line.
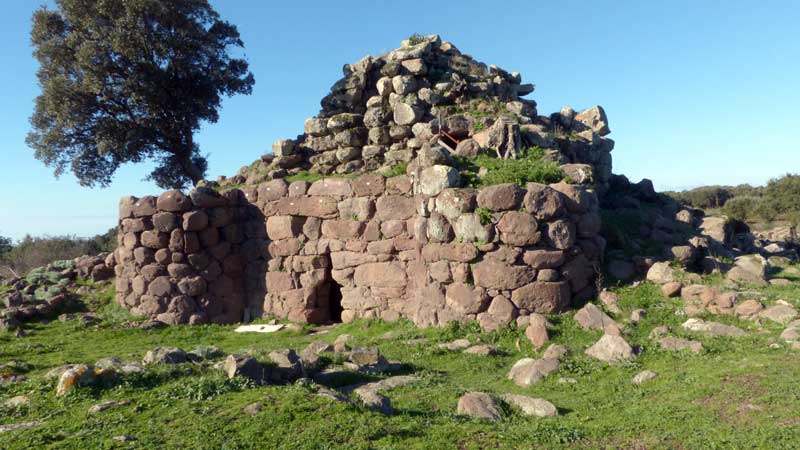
{"type": "Point", "coordinates": [45, 290]}
{"type": "Point", "coordinates": [387, 109]}
{"type": "Point", "coordinates": [659, 231]}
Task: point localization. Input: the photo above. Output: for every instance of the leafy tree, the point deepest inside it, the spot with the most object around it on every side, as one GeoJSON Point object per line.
{"type": "Point", "coordinates": [784, 193]}
{"type": "Point", "coordinates": [5, 246]}
{"type": "Point", "coordinates": [128, 81]}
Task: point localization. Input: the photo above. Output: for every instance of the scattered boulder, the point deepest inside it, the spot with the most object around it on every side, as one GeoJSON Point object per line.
{"type": "Point", "coordinates": [374, 401]}
{"type": "Point", "coordinates": [482, 350]}
{"type": "Point", "coordinates": [246, 367]}
{"type": "Point", "coordinates": [100, 407]}
{"type": "Point", "coordinates": [555, 351]}
{"type": "Point", "coordinates": [530, 406]}
{"type": "Point", "coordinates": [528, 371]}
{"type": "Point", "coordinates": [715, 329]}
{"type": "Point", "coordinates": [750, 269]}
{"type": "Point", "coordinates": [590, 317]}
{"type": "Point", "coordinates": [671, 289]}
{"type": "Point", "coordinates": [660, 273]}
{"type": "Point", "coordinates": [165, 355]}
{"type": "Point", "coordinates": [458, 344]}
{"type": "Point", "coordinates": [748, 308]}
{"type": "Point", "coordinates": [610, 348]}
{"type": "Point", "coordinates": [536, 331]}
{"type": "Point", "coordinates": [780, 313]}
{"type": "Point", "coordinates": [253, 408]}
{"type": "Point", "coordinates": [645, 375]}
{"type": "Point", "coordinates": [677, 344]}
{"type": "Point", "coordinates": [479, 405]}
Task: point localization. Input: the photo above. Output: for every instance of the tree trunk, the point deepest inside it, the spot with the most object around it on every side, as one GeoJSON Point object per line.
{"type": "Point", "coordinates": [189, 168]}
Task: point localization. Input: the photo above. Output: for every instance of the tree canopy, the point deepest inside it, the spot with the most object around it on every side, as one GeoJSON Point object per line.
{"type": "Point", "coordinates": [124, 81]}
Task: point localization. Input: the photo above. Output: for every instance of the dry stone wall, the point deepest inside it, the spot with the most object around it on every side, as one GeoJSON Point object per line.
{"type": "Point", "coordinates": [190, 259]}
{"type": "Point", "coordinates": [370, 246]}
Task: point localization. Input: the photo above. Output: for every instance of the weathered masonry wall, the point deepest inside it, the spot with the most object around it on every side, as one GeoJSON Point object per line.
{"type": "Point", "coordinates": [340, 249]}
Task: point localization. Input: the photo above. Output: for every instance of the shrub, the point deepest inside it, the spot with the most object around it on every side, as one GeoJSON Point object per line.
{"type": "Point", "coordinates": [529, 167]}
{"type": "Point", "coordinates": [416, 38]}
{"type": "Point", "coordinates": [396, 170]}
{"type": "Point", "coordinates": [740, 208]}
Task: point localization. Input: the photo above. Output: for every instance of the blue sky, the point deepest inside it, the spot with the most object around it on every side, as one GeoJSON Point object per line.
{"type": "Point", "coordinates": [697, 92]}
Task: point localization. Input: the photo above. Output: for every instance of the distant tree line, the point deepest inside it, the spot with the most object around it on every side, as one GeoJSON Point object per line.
{"type": "Point", "coordinates": [779, 199]}
{"type": "Point", "coordinates": [31, 252]}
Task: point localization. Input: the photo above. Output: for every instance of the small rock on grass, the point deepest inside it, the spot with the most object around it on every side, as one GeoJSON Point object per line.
{"type": "Point", "coordinates": [611, 349]}
{"type": "Point", "coordinates": [536, 332]}
{"type": "Point", "coordinates": [100, 407]}
{"type": "Point", "coordinates": [528, 371]}
{"type": "Point", "coordinates": [20, 426]}
{"type": "Point", "coordinates": [530, 406]}
{"type": "Point", "coordinates": [482, 350]}
{"type": "Point", "coordinates": [16, 402]}
{"type": "Point", "coordinates": [671, 289]}
{"type": "Point", "coordinates": [643, 376]}
{"type": "Point", "coordinates": [555, 351]}
{"type": "Point", "coordinates": [253, 408]}
{"type": "Point", "coordinates": [678, 344]}
{"type": "Point", "coordinates": [479, 405]}
{"type": "Point", "coordinates": [458, 344]}
{"type": "Point", "coordinates": [712, 328]}
{"type": "Point", "coordinates": [374, 401]}
{"type": "Point", "coordinates": [780, 313]}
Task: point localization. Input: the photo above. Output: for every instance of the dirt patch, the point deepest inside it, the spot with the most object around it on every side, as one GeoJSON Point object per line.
{"type": "Point", "coordinates": [736, 400]}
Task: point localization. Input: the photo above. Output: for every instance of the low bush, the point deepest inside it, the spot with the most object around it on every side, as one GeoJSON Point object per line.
{"type": "Point", "coordinates": [529, 167]}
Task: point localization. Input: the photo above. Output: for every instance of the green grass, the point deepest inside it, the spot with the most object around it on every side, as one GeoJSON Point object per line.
{"type": "Point", "coordinates": [305, 175]}
{"type": "Point", "coordinates": [529, 167]}
{"type": "Point", "coordinates": [396, 170]}
{"type": "Point", "coordinates": [739, 393]}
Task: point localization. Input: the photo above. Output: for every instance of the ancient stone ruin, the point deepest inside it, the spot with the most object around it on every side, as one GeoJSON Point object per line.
{"type": "Point", "coordinates": [368, 240]}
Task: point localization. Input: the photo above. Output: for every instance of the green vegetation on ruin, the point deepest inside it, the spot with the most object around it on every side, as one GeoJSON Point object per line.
{"type": "Point", "coordinates": [530, 166]}
{"type": "Point", "coordinates": [735, 394]}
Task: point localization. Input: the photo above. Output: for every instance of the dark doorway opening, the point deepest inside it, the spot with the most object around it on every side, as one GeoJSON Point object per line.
{"type": "Point", "coordinates": [335, 302]}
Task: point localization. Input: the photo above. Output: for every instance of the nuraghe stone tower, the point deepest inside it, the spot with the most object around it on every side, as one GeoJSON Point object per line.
{"type": "Point", "coordinates": [388, 230]}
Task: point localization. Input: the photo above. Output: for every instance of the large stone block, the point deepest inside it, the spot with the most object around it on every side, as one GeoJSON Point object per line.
{"type": "Point", "coordinates": [434, 179]}
{"type": "Point", "coordinates": [173, 201]}
{"type": "Point", "coordinates": [320, 206]}
{"type": "Point", "coordinates": [465, 299]}
{"type": "Point", "coordinates": [339, 187]}
{"type": "Point", "coordinates": [457, 252]}
{"type": "Point", "coordinates": [342, 229]}
{"type": "Point", "coordinates": [501, 197]}
{"type": "Point", "coordinates": [144, 207]}
{"type": "Point", "coordinates": [494, 275]}
{"type": "Point", "coordinates": [542, 297]}
{"type": "Point", "coordinates": [371, 184]}
{"type": "Point", "coordinates": [357, 208]}
{"type": "Point", "coordinates": [518, 228]}
{"type": "Point", "coordinates": [453, 202]}
{"type": "Point", "coordinates": [383, 274]}
{"type": "Point", "coordinates": [395, 207]}
{"type": "Point", "coordinates": [544, 202]}
{"type": "Point", "coordinates": [284, 227]}
{"type": "Point", "coordinates": [195, 221]}
{"type": "Point", "coordinates": [272, 190]}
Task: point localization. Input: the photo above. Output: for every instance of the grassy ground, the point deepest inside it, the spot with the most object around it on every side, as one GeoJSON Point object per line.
{"type": "Point", "coordinates": [738, 393]}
